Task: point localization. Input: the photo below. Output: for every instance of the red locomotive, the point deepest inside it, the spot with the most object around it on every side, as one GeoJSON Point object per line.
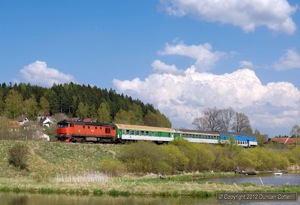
{"type": "Point", "coordinates": [77, 131]}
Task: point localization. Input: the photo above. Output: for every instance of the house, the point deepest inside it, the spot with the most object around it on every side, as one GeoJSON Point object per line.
{"type": "Point", "coordinates": [14, 126]}
{"type": "Point", "coordinates": [285, 140]}
{"type": "Point", "coordinates": [88, 120]}
{"type": "Point", "coordinates": [48, 121]}
{"type": "Point", "coordinates": [22, 120]}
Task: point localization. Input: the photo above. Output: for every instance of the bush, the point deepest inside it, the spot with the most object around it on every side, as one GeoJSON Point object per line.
{"type": "Point", "coordinates": [176, 159]}
{"type": "Point", "coordinates": [112, 167]}
{"type": "Point", "coordinates": [189, 151]}
{"type": "Point", "coordinates": [18, 155]}
{"type": "Point", "coordinates": [145, 157]}
{"type": "Point", "coordinates": [205, 157]}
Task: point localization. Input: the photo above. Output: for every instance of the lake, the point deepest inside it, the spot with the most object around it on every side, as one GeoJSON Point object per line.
{"type": "Point", "coordinates": [269, 180]}
{"type": "Point", "coordinates": [51, 199]}
{"type": "Point", "coordinates": [61, 199]}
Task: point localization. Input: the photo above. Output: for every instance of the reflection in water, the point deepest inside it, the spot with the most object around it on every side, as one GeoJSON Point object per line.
{"type": "Point", "coordinates": [269, 180]}
{"type": "Point", "coordinates": [34, 199]}
{"type": "Point", "coordinates": [37, 199]}
{"type": "Point", "coordinates": [17, 200]}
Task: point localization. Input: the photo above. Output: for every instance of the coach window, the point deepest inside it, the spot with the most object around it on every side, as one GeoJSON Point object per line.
{"type": "Point", "coordinates": [83, 126]}
{"type": "Point", "coordinates": [132, 132]}
{"type": "Point", "coordinates": [142, 132]}
{"type": "Point", "coordinates": [137, 132]}
{"type": "Point", "coordinates": [147, 133]}
{"type": "Point", "coordinates": [127, 132]}
{"type": "Point", "coordinates": [88, 127]}
{"type": "Point", "coordinates": [107, 130]}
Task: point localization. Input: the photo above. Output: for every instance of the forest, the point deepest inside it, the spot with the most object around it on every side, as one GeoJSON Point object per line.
{"type": "Point", "coordinates": [83, 101]}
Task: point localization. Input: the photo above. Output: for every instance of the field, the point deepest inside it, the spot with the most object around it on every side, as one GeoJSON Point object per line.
{"type": "Point", "coordinates": [75, 169]}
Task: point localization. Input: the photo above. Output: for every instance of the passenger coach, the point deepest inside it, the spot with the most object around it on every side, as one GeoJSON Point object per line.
{"type": "Point", "coordinates": [137, 132]}
{"type": "Point", "coordinates": [199, 136]}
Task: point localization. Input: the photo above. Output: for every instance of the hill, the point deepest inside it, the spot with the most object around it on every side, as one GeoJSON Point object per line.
{"type": "Point", "coordinates": [75, 100]}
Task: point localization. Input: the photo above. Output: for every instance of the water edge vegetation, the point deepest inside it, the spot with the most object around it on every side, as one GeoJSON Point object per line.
{"type": "Point", "coordinates": [84, 169]}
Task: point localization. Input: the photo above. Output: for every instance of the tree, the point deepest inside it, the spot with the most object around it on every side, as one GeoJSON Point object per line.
{"type": "Point", "coordinates": [226, 118]}
{"type": "Point", "coordinates": [92, 112]}
{"type": "Point", "coordinates": [104, 112]}
{"type": "Point", "coordinates": [260, 137]}
{"type": "Point", "coordinates": [18, 156]}
{"type": "Point", "coordinates": [30, 108]}
{"type": "Point", "coordinates": [44, 105]}
{"type": "Point", "coordinates": [5, 128]}
{"type": "Point", "coordinates": [151, 120]}
{"type": "Point", "coordinates": [241, 123]}
{"type": "Point", "coordinates": [82, 110]}
{"type": "Point", "coordinates": [295, 132]}
{"type": "Point", "coordinates": [13, 104]}
{"type": "Point", "coordinates": [210, 121]}
{"type": "Point", "coordinates": [2, 104]}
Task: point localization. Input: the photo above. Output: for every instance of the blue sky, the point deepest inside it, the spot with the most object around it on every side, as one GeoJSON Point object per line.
{"type": "Point", "coordinates": [180, 55]}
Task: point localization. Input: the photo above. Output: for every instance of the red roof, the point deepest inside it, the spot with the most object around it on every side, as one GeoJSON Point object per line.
{"type": "Point", "coordinates": [285, 140]}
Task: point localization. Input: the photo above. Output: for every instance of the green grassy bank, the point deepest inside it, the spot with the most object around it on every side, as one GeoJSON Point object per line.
{"type": "Point", "coordinates": [63, 168]}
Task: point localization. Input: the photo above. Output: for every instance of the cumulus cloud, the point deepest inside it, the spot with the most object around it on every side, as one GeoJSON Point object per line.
{"type": "Point", "coordinates": [203, 55]}
{"type": "Point", "coordinates": [290, 60]}
{"type": "Point", "coordinates": [246, 64]}
{"type": "Point", "coordinates": [274, 14]}
{"type": "Point", "coordinates": [38, 73]}
{"type": "Point", "coordinates": [183, 97]}
{"type": "Point", "coordinates": [161, 67]}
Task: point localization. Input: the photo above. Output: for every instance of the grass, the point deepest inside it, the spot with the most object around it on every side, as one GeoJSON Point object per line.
{"type": "Point", "coordinates": [62, 168]}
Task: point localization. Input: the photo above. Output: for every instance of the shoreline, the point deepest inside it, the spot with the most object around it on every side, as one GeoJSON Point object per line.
{"type": "Point", "coordinates": [173, 186]}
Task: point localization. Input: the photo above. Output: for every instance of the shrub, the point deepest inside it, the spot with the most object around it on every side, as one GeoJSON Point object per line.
{"type": "Point", "coordinates": [18, 155]}
{"type": "Point", "coordinates": [145, 157]}
{"type": "Point", "coordinates": [176, 159]}
{"type": "Point", "coordinates": [112, 167]}
{"type": "Point", "coordinates": [205, 157]}
{"type": "Point", "coordinates": [189, 151]}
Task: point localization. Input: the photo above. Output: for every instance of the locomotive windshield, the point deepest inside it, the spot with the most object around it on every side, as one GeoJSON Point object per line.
{"type": "Point", "coordinates": [62, 124]}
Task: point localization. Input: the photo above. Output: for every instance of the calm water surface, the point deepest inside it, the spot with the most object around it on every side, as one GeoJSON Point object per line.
{"type": "Point", "coordinates": [270, 180]}
{"type": "Point", "coordinates": [53, 199]}
{"type": "Point", "coordinates": [40, 199]}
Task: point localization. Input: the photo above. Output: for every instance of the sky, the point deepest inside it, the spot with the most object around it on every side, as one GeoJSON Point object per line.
{"type": "Point", "coordinates": [182, 56]}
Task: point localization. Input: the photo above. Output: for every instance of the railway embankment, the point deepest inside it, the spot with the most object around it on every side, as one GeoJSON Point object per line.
{"type": "Point", "coordinates": [64, 168]}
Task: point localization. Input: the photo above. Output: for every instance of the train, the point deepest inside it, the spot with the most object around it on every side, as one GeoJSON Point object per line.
{"type": "Point", "coordinates": [78, 131]}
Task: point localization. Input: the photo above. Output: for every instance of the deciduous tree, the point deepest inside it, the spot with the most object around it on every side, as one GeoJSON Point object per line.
{"type": "Point", "coordinates": [13, 104]}
{"type": "Point", "coordinates": [241, 123]}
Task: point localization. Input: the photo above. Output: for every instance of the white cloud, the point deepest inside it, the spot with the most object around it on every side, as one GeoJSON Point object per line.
{"type": "Point", "coordinates": [161, 67]}
{"type": "Point", "coordinates": [203, 55]}
{"type": "Point", "coordinates": [246, 64]}
{"type": "Point", "coordinates": [290, 60]}
{"type": "Point", "coordinates": [183, 97]}
{"type": "Point", "coordinates": [38, 73]}
{"type": "Point", "coordinates": [274, 14]}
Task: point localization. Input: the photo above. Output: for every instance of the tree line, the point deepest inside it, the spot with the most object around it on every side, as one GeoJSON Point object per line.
{"type": "Point", "coordinates": [227, 120]}
{"type": "Point", "coordinates": [76, 100]}
{"type": "Point", "coordinates": [182, 156]}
